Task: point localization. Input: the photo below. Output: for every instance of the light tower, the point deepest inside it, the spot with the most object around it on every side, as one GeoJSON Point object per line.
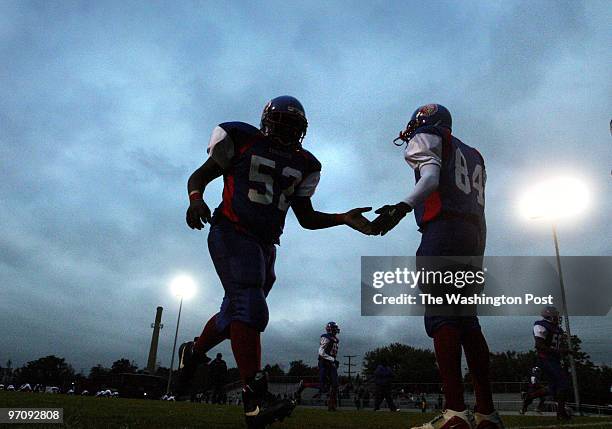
{"type": "Point", "coordinates": [548, 201]}
{"type": "Point", "coordinates": [182, 287]}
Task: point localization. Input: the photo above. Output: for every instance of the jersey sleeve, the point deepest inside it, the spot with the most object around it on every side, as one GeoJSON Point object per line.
{"type": "Point", "coordinates": [428, 183]}
{"type": "Point", "coordinates": [308, 185]}
{"type": "Point", "coordinates": [322, 346]}
{"type": "Point", "coordinates": [539, 331]}
{"type": "Point", "coordinates": [423, 149]}
{"type": "Point", "coordinates": [221, 147]}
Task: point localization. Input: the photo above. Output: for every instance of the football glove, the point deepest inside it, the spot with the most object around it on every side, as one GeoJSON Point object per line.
{"type": "Point", "coordinates": [198, 214]}
{"type": "Point", "coordinates": [336, 363]}
{"type": "Point", "coordinates": [356, 220]}
{"type": "Point", "coordinates": [389, 216]}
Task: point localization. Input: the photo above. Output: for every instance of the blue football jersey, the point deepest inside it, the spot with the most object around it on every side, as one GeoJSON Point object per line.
{"type": "Point", "coordinates": [551, 334]}
{"type": "Point", "coordinates": [329, 345]}
{"type": "Point", "coordinates": [461, 189]}
{"type": "Point", "coordinates": [260, 179]}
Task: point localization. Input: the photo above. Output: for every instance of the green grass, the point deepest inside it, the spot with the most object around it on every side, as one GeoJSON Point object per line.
{"type": "Point", "coordinates": [94, 413]}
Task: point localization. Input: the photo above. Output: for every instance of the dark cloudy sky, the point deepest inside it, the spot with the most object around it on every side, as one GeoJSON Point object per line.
{"type": "Point", "coordinates": [106, 108]}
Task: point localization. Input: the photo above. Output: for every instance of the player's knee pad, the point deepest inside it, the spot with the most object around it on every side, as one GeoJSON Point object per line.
{"type": "Point", "coordinates": [260, 320]}
{"type": "Point", "coordinates": [256, 312]}
{"type": "Point", "coordinates": [246, 305]}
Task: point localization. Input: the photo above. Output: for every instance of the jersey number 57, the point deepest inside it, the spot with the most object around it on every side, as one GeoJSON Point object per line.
{"type": "Point", "coordinates": [267, 196]}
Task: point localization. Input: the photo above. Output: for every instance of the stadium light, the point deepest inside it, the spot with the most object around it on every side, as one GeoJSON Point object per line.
{"type": "Point", "coordinates": [551, 201]}
{"type": "Point", "coordinates": [182, 287]}
{"type": "Point", "coordinates": [555, 199]}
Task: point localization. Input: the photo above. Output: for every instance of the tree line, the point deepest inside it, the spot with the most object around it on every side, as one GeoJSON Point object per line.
{"type": "Point", "coordinates": [410, 365]}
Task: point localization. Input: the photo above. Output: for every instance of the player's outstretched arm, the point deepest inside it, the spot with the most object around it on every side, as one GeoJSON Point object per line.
{"type": "Point", "coordinates": [391, 215]}
{"type": "Point", "coordinates": [309, 218]}
{"type": "Point", "coordinates": [198, 212]}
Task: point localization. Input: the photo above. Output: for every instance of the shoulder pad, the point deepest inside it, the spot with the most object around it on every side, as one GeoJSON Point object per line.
{"type": "Point", "coordinates": [243, 135]}
{"type": "Point", "coordinates": [543, 323]}
{"type": "Point", "coordinates": [479, 154]}
{"type": "Point", "coordinates": [428, 129]}
{"type": "Point", "coordinates": [238, 130]}
{"type": "Point", "coordinates": [476, 151]}
{"type": "Point", "coordinates": [239, 126]}
{"type": "Point", "coordinates": [313, 162]}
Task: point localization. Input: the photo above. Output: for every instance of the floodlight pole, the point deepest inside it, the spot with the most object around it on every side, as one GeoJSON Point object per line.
{"type": "Point", "coordinates": [567, 323]}
{"type": "Point", "coordinates": [174, 346]}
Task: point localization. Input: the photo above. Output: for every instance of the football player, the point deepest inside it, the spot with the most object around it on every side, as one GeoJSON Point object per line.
{"type": "Point", "coordinates": [328, 364]}
{"type": "Point", "coordinates": [265, 171]}
{"type": "Point", "coordinates": [184, 353]}
{"type": "Point", "coordinates": [535, 390]}
{"type": "Point", "coordinates": [548, 336]}
{"type": "Point", "coordinates": [448, 202]}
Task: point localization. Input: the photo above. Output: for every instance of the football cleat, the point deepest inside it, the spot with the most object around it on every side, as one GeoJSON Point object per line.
{"type": "Point", "coordinates": [488, 421]}
{"type": "Point", "coordinates": [262, 408]}
{"type": "Point", "coordinates": [189, 360]}
{"type": "Point", "coordinates": [449, 419]}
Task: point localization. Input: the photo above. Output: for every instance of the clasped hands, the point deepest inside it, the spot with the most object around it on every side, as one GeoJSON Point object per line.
{"type": "Point", "coordinates": [388, 217]}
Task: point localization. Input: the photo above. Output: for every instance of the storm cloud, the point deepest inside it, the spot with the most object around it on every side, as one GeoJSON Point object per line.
{"type": "Point", "coordinates": [106, 108]}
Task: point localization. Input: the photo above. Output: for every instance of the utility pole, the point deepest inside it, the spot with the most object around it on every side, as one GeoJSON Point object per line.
{"type": "Point", "coordinates": [350, 366]}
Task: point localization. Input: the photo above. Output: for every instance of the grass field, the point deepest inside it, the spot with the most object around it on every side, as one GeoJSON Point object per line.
{"type": "Point", "coordinates": [87, 412]}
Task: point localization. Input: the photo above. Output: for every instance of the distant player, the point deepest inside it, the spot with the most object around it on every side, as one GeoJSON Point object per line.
{"type": "Point", "coordinates": [265, 171]}
{"type": "Point", "coordinates": [328, 364]}
{"type": "Point", "coordinates": [448, 201]}
{"type": "Point", "coordinates": [535, 390]}
{"type": "Point", "coordinates": [184, 352]}
{"type": "Point", "coordinates": [383, 381]}
{"type": "Point", "coordinates": [548, 337]}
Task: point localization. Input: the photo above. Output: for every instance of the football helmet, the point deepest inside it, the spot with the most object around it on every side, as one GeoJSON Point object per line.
{"type": "Point", "coordinates": [284, 119]}
{"type": "Point", "coordinates": [536, 371]}
{"type": "Point", "coordinates": [551, 314]}
{"type": "Point", "coordinates": [332, 328]}
{"type": "Point", "coordinates": [434, 115]}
